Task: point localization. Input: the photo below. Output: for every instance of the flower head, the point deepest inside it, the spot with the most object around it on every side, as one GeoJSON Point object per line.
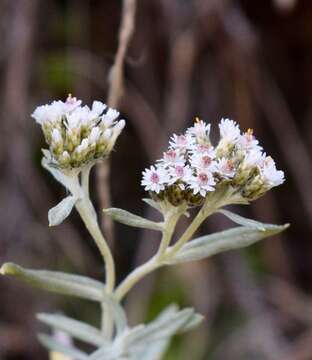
{"type": "Point", "coordinates": [77, 134]}
{"type": "Point", "coordinates": [192, 168]}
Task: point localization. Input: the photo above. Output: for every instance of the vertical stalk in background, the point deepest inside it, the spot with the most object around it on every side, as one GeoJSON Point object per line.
{"type": "Point", "coordinates": [115, 92]}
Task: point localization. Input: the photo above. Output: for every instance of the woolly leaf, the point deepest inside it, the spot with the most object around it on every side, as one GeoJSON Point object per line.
{"type": "Point", "coordinates": [127, 218]}
{"type": "Point", "coordinates": [60, 212]}
{"type": "Point", "coordinates": [76, 329]}
{"type": "Point", "coordinates": [53, 345]}
{"type": "Point", "coordinates": [234, 238]}
{"type": "Point", "coordinates": [58, 282]}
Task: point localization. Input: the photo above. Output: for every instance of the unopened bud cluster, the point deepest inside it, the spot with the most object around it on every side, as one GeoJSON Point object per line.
{"type": "Point", "coordinates": [192, 168]}
{"type": "Point", "coordinates": [76, 134]}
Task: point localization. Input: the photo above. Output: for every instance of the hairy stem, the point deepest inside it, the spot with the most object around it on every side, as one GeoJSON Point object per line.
{"type": "Point", "coordinates": [87, 213]}
{"type": "Point", "coordinates": [169, 226]}
{"type": "Point", "coordinates": [160, 258]}
{"type": "Point", "coordinates": [189, 232]}
{"type": "Point", "coordinates": [171, 219]}
{"type": "Point", "coordinates": [136, 276]}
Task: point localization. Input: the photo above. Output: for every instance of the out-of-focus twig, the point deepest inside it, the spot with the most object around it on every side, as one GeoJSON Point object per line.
{"type": "Point", "coordinates": [115, 92]}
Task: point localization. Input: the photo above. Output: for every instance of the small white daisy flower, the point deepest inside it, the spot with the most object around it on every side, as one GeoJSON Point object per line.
{"type": "Point", "coordinates": [229, 130]}
{"type": "Point", "coordinates": [200, 129]}
{"type": "Point", "coordinates": [247, 141]}
{"type": "Point", "coordinates": [204, 161]}
{"type": "Point", "coordinates": [70, 104]}
{"type": "Point", "coordinates": [225, 167]}
{"type": "Point", "coordinates": [98, 107]}
{"type": "Point", "coordinates": [202, 183]}
{"type": "Point", "coordinates": [178, 172]}
{"type": "Point", "coordinates": [254, 157]}
{"type": "Point", "coordinates": [181, 142]}
{"type": "Point", "coordinates": [109, 117]}
{"type": "Point", "coordinates": [202, 148]}
{"type": "Point", "coordinates": [271, 176]}
{"type": "Point", "coordinates": [154, 179]}
{"type": "Point", "coordinates": [172, 157]}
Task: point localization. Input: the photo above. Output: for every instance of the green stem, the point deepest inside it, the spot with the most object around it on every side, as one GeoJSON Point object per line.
{"type": "Point", "coordinates": [169, 226]}
{"type": "Point", "coordinates": [136, 276]}
{"type": "Point", "coordinates": [171, 219]}
{"type": "Point", "coordinates": [189, 232]}
{"type": "Point", "coordinates": [87, 212]}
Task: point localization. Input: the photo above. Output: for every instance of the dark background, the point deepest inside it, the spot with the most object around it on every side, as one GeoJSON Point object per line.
{"type": "Point", "coordinates": [247, 60]}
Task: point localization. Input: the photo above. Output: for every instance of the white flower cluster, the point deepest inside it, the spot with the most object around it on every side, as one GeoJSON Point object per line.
{"type": "Point", "coordinates": [77, 134]}
{"type": "Point", "coordinates": [193, 167]}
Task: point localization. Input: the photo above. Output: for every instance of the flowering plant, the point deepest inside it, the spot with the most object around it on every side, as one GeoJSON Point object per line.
{"type": "Point", "coordinates": [191, 174]}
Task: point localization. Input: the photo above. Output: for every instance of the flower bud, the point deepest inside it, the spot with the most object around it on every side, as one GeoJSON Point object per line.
{"type": "Point", "coordinates": [76, 134]}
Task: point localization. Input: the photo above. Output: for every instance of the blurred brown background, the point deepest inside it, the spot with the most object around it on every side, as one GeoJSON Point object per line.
{"type": "Point", "coordinates": [247, 60]}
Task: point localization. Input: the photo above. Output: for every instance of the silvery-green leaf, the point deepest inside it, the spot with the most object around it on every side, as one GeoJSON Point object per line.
{"type": "Point", "coordinates": [154, 351]}
{"type": "Point", "coordinates": [76, 329]}
{"type": "Point", "coordinates": [53, 345]}
{"type": "Point", "coordinates": [193, 322]}
{"type": "Point", "coordinates": [112, 351]}
{"type": "Point", "coordinates": [57, 174]}
{"type": "Point", "coordinates": [152, 203]}
{"type": "Point", "coordinates": [127, 218]}
{"type": "Point", "coordinates": [60, 212]}
{"type": "Point", "coordinates": [148, 340]}
{"type": "Point", "coordinates": [162, 327]}
{"type": "Point", "coordinates": [235, 238]}
{"type": "Point", "coordinates": [240, 220]}
{"type": "Point", "coordinates": [58, 282]}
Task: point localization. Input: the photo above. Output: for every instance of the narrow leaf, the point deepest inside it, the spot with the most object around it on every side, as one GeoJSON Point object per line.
{"type": "Point", "coordinates": [193, 322]}
{"type": "Point", "coordinates": [234, 238]}
{"type": "Point", "coordinates": [76, 329]}
{"type": "Point", "coordinates": [60, 212]}
{"type": "Point", "coordinates": [53, 345]}
{"type": "Point", "coordinates": [130, 219]}
{"type": "Point", "coordinates": [163, 327]}
{"type": "Point", "coordinates": [240, 220]}
{"type": "Point", "coordinates": [58, 282]}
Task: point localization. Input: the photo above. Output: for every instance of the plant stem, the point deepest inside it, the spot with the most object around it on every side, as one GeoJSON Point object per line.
{"type": "Point", "coordinates": [169, 226]}
{"type": "Point", "coordinates": [189, 232]}
{"type": "Point", "coordinates": [87, 213]}
{"type": "Point", "coordinates": [136, 276]}
{"type": "Point", "coordinates": [161, 256]}
{"type": "Point", "coordinates": [171, 219]}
